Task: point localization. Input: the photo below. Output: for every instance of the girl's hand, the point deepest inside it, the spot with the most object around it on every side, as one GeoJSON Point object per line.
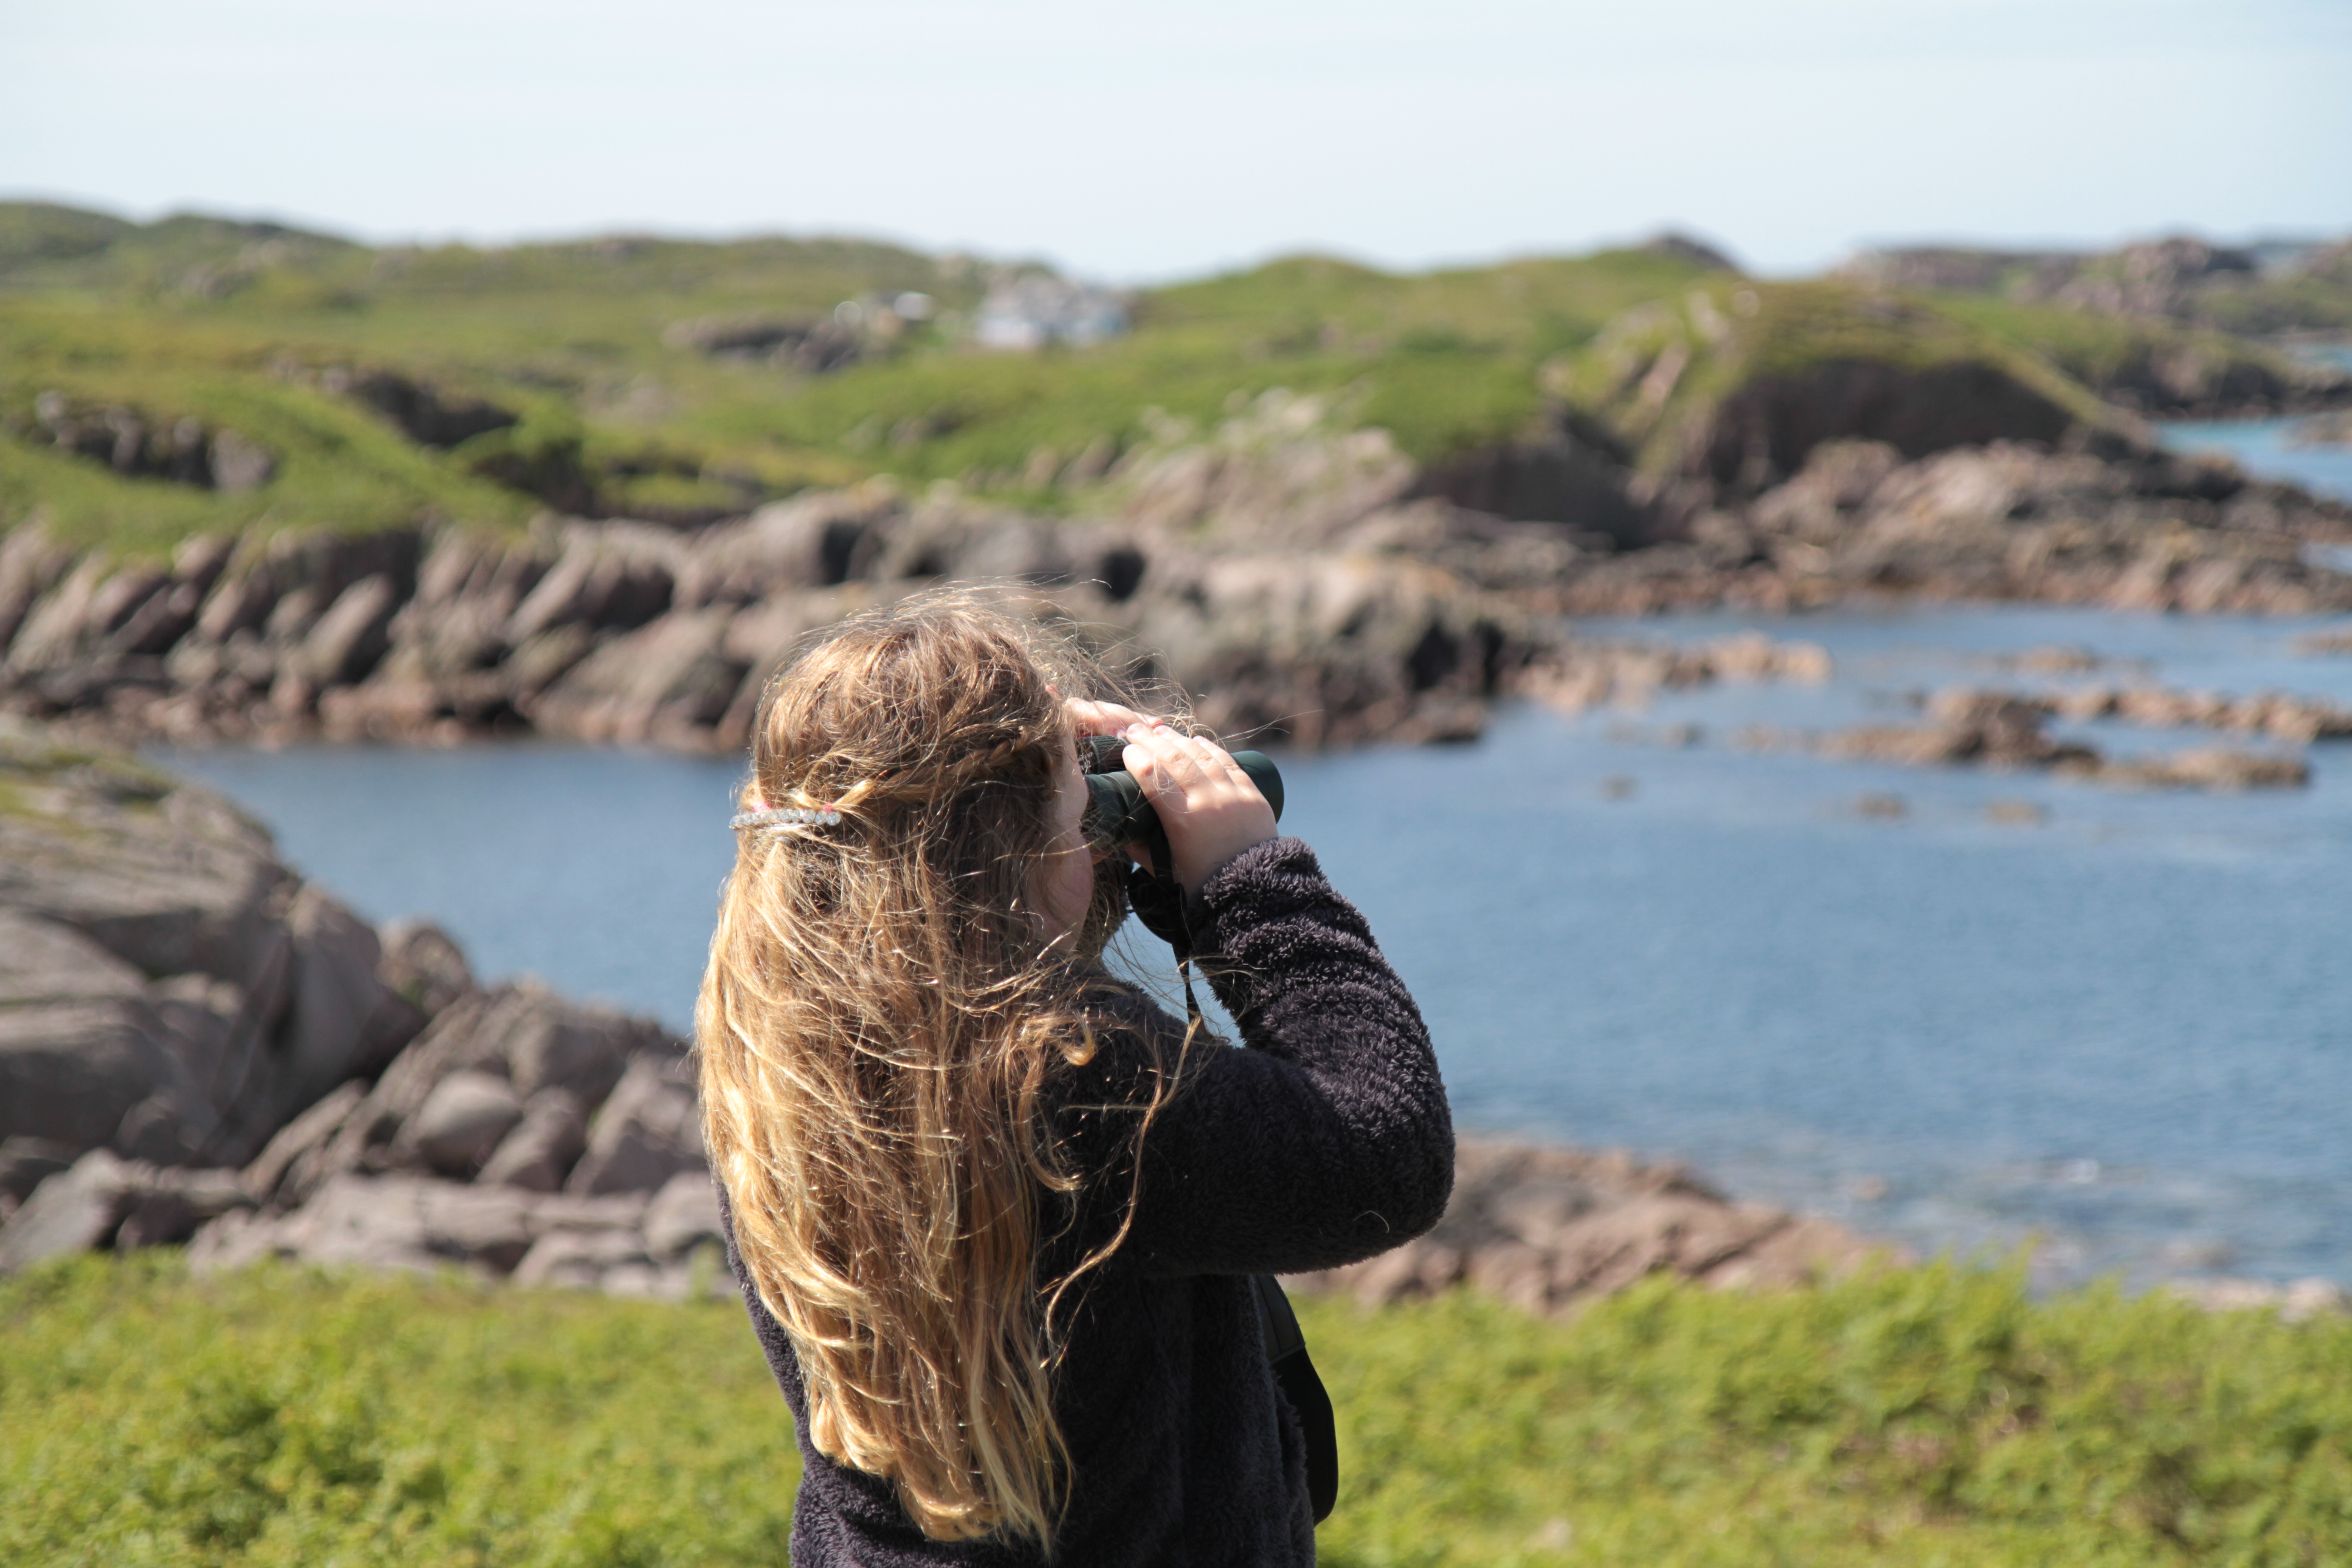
{"type": "Point", "coordinates": [1209, 806]}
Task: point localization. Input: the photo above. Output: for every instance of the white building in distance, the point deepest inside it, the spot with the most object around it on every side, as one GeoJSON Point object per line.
{"type": "Point", "coordinates": [1032, 310]}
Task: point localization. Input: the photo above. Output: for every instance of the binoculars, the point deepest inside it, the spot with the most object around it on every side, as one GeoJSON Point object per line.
{"type": "Point", "coordinates": [1118, 813]}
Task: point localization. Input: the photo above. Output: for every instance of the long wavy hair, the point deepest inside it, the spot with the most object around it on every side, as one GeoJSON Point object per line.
{"type": "Point", "coordinates": [881, 1013]}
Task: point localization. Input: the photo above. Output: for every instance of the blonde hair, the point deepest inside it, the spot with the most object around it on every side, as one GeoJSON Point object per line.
{"type": "Point", "coordinates": [879, 1019]}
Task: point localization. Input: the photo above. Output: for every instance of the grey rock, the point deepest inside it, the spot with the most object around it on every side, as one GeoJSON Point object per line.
{"type": "Point", "coordinates": [187, 884]}
{"type": "Point", "coordinates": [614, 575]}
{"type": "Point", "coordinates": [167, 1206]}
{"type": "Point", "coordinates": [538, 662]}
{"type": "Point", "coordinates": [76, 1210]}
{"type": "Point", "coordinates": [1549, 1229]}
{"type": "Point", "coordinates": [209, 1030]}
{"type": "Point", "coordinates": [424, 963]}
{"type": "Point", "coordinates": [579, 1258]}
{"type": "Point", "coordinates": [30, 564]}
{"type": "Point", "coordinates": [70, 1071]}
{"type": "Point", "coordinates": [549, 1043]}
{"type": "Point", "coordinates": [239, 603]}
{"type": "Point", "coordinates": [165, 1129]}
{"type": "Point", "coordinates": [264, 994]}
{"type": "Point", "coordinates": [524, 1033]}
{"type": "Point", "coordinates": [461, 1123]}
{"type": "Point", "coordinates": [414, 1223]}
{"type": "Point", "coordinates": [344, 1020]}
{"type": "Point", "coordinates": [388, 1221]}
{"type": "Point", "coordinates": [27, 1163]}
{"type": "Point", "coordinates": [645, 1133]}
{"type": "Point", "coordinates": [667, 682]}
{"type": "Point", "coordinates": [57, 624]}
{"type": "Point", "coordinates": [544, 1145]}
{"type": "Point", "coordinates": [683, 1215]}
{"type": "Point", "coordinates": [350, 637]}
{"type": "Point", "coordinates": [41, 960]}
{"type": "Point", "coordinates": [308, 1132]}
{"type": "Point", "coordinates": [240, 464]}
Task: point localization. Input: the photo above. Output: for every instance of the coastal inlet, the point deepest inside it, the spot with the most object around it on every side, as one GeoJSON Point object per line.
{"type": "Point", "coordinates": [1959, 1007]}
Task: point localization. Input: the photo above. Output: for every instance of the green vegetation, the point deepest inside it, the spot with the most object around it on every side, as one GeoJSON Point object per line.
{"type": "Point", "coordinates": [1658, 375]}
{"type": "Point", "coordinates": [1925, 1417]}
{"type": "Point", "coordinates": [590, 346]}
{"type": "Point", "coordinates": [286, 1418]}
{"type": "Point", "coordinates": [594, 363]}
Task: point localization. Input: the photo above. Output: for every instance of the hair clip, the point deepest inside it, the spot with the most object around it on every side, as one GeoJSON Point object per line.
{"type": "Point", "coordinates": [787, 816]}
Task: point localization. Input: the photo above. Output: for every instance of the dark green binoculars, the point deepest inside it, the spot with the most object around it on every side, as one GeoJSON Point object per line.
{"type": "Point", "coordinates": [1118, 811]}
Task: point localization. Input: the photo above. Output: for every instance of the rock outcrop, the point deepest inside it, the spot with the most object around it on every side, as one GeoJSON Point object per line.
{"type": "Point", "coordinates": [1550, 1229]}
{"type": "Point", "coordinates": [1306, 580]}
{"type": "Point", "coordinates": [2003, 522]}
{"type": "Point", "coordinates": [168, 990]}
{"type": "Point", "coordinates": [1966, 726]}
{"type": "Point", "coordinates": [197, 1048]}
{"type": "Point", "coordinates": [196, 1044]}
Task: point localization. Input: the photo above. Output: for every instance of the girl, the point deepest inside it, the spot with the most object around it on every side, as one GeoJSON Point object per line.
{"type": "Point", "coordinates": [995, 1212]}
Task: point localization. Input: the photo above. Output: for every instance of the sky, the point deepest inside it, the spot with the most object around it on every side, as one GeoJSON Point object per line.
{"type": "Point", "coordinates": [1139, 143]}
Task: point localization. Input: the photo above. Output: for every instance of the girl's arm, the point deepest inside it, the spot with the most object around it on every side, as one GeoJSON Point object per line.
{"type": "Point", "coordinates": [1327, 1139]}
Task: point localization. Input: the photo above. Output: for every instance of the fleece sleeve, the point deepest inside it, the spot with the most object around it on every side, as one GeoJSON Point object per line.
{"type": "Point", "coordinates": [1326, 1138]}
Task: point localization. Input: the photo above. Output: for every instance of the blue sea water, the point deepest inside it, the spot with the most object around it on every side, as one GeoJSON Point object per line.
{"type": "Point", "coordinates": [2124, 1030]}
{"type": "Point", "coordinates": [2124, 1027]}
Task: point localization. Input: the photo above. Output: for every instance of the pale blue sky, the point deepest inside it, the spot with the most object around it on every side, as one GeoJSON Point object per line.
{"type": "Point", "coordinates": [1140, 142]}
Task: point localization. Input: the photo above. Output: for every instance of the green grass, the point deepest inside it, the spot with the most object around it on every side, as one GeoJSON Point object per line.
{"type": "Point", "coordinates": [199, 316]}
{"type": "Point", "coordinates": [239, 324]}
{"type": "Point", "coordinates": [1658, 375]}
{"type": "Point", "coordinates": [286, 1418]}
{"type": "Point", "coordinates": [2101, 351]}
{"type": "Point", "coordinates": [1929, 1416]}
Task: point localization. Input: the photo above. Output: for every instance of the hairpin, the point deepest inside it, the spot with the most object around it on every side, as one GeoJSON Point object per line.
{"type": "Point", "coordinates": [787, 816]}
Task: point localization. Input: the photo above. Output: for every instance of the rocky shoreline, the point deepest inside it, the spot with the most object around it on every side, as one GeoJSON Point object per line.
{"type": "Point", "coordinates": [199, 1048]}
{"type": "Point", "coordinates": [1311, 586]}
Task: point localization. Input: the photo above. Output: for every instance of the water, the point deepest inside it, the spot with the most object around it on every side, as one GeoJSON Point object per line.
{"type": "Point", "coordinates": [2266, 448]}
{"type": "Point", "coordinates": [2122, 1030]}
{"type": "Point", "coordinates": [2336, 354]}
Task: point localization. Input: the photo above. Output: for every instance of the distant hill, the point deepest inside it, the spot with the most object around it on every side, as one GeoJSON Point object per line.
{"type": "Point", "coordinates": [2265, 288]}
{"type": "Point", "coordinates": [204, 373]}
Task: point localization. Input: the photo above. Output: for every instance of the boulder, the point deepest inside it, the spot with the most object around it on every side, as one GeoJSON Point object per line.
{"type": "Point", "coordinates": [464, 1118]}
{"type": "Point", "coordinates": [543, 1146]}
{"type": "Point", "coordinates": [669, 682]}
{"type": "Point", "coordinates": [25, 1163]}
{"type": "Point", "coordinates": [344, 1020]}
{"type": "Point", "coordinates": [71, 1071]}
{"type": "Point", "coordinates": [350, 637]}
{"type": "Point", "coordinates": [1549, 1229]}
{"type": "Point", "coordinates": [386, 1222]}
{"type": "Point", "coordinates": [300, 1138]}
{"type": "Point", "coordinates": [646, 1132]}
{"type": "Point", "coordinates": [420, 1224]}
{"type": "Point", "coordinates": [167, 988]}
{"type": "Point", "coordinates": [425, 965]}
{"type": "Point", "coordinates": [683, 1215]}
{"type": "Point", "coordinates": [582, 1258]}
{"type": "Point", "coordinates": [523, 1034]}
{"type": "Point", "coordinates": [167, 1206]}
{"type": "Point", "coordinates": [76, 1210]}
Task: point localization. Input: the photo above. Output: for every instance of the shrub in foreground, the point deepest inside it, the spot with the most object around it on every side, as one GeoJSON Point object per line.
{"type": "Point", "coordinates": [1931, 1416]}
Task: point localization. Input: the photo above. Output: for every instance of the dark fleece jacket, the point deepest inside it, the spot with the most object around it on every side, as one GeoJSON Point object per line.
{"type": "Point", "coordinates": [1325, 1140]}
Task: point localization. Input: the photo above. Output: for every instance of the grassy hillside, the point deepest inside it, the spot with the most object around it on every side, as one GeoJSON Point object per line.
{"type": "Point", "coordinates": [590, 348]}
{"type": "Point", "coordinates": [608, 375]}
{"type": "Point", "coordinates": [1926, 1416]}
{"type": "Point", "coordinates": [1667, 379]}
